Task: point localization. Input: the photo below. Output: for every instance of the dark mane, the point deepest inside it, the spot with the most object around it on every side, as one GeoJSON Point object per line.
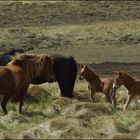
{"type": "Point", "coordinates": [93, 72]}
{"type": "Point", "coordinates": [128, 76]}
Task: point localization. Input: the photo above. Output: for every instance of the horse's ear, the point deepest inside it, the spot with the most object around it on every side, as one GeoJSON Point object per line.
{"type": "Point", "coordinates": [86, 66]}
{"type": "Point", "coordinates": [49, 60]}
{"type": "Point", "coordinates": [118, 73]}
{"type": "Point", "coordinates": [81, 65]}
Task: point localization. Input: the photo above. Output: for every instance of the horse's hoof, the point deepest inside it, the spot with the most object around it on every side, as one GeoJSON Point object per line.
{"type": "Point", "coordinates": [123, 113]}
{"type": "Point", "coordinates": [91, 100]}
{"type": "Point", "coordinates": [20, 112]}
{"type": "Point", "coordinates": [5, 113]}
{"type": "Point", "coordinates": [115, 106]}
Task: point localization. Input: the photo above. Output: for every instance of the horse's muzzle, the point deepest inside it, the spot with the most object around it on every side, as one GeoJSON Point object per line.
{"type": "Point", "coordinates": [115, 86]}
{"type": "Point", "coordinates": [81, 77]}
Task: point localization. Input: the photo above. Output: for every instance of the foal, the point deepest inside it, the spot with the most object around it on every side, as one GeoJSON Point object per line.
{"type": "Point", "coordinates": [95, 84]}
{"type": "Point", "coordinates": [131, 84]}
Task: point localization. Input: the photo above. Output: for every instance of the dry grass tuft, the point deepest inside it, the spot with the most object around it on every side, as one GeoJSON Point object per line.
{"type": "Point", "coordinates": [38, 93]}
{"type": "Point", "coordinates": [121, 136]}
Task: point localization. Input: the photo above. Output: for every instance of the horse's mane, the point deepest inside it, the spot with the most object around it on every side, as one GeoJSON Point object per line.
{"type": "Point", "coordinates": [33, 64]}
{"type": "Point", "coordinates": [96, 77]}
{"type": "Point", "coordinates": [127, 76]}
{"type": "Point", "coordinates": [18, 59]}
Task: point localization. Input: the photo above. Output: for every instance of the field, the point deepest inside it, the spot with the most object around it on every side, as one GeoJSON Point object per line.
{"type": "Point", "coordinates": [103, 34]}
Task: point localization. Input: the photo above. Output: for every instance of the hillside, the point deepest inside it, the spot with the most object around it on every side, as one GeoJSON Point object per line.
{"type": "Point", "coordinates": [43, 13]}
{"type": "Point", "coordinates": [73, 27]}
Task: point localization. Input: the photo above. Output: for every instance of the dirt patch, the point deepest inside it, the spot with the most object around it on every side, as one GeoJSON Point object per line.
{"type": "Point", "coordinates": [109, 68]}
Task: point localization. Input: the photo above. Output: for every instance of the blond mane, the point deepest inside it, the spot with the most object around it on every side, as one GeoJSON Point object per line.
{"type": "Point", "coordinates": [18, 59]}
{"type": "Point", "coordinates": [33, 64]}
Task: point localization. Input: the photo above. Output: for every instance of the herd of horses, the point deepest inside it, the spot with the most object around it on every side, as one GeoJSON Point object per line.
{"type": "Point", "coordinates": [18, 74]}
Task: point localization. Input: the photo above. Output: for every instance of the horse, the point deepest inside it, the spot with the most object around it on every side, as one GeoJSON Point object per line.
{"type": "Point", "coordinates": [131, 84]}
{"type": "Point", "coordinates": [65, 70]}
{"type": "Point", "coordinates": [5, 58]}
{"type": "Point", "coordinates": [96, 84]}
{"type": "Point", "coordinates": [17, 75]}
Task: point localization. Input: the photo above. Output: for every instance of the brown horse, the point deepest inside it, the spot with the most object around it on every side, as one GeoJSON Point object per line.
{"type": "Point", "coordinates": [15, 78]}
{"type": "Point", "coordinates": [95, 84]}
{"type": "Point", "coordinates": [131, 84]}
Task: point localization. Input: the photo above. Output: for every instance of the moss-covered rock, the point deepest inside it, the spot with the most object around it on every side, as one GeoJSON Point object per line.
{"type": "Point", "coordinates": [37, 93]}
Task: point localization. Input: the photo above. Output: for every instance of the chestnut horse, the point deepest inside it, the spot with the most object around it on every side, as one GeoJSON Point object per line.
{"type": "Point", "coordinates": [96, 84]}
{"type": "Point", "coordinates": [15, 78]}
{"type": "Point", "coordinates": [131, 84]}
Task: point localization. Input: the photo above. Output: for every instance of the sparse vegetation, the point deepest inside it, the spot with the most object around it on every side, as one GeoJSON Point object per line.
{"type": "Point", "coordinates": [105, 32]}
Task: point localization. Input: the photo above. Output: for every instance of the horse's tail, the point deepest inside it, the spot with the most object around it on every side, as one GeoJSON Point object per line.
{"type": "Point", "coordinates": [73, 65]}
{"type": "Point", "coordinates": [73, 74]}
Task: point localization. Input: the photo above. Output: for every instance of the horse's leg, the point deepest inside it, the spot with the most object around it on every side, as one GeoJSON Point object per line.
{"type": "Point", "coordinates": [72, 78]}
{"type": "Point", "coordinates": [65, 89]}
{"type": "Point", "coordinates": [113, 97]}
{"type": "Point", "coordinates": [4, 102]}
{"type": "Point", "coordinates": [114, 101]}
{"type": "Point", "coordinates": [92, 95]}
{"type": "Point", "coordinates": [129, 99]}
{"type": "Point", "coordinates": [108, 97]}
{"type": "Point", "coordinates": [21, 97]}
{"type": "Point", "coordinates": [136, 103]}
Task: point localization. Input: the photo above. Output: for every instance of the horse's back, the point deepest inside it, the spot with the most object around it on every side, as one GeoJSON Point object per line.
{"type": "Point", "coordinates": [4, 59]}
{"type": "Point", "coordinates": [107, 82]}
{"type": "Point", "coordinates": [136, 87]}
{"type": "Point", "coordinates": [64, 65]}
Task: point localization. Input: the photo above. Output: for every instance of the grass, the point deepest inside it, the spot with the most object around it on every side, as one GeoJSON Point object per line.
{"type": "Point", "coordinates": [59, 117]}
{"type": "Point", "coordinates": [90, 116]}
{"type": "Point", "coordinates": [79, 40]}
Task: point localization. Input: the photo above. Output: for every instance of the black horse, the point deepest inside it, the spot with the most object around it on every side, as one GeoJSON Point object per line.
{"type": "Point", "coordinates": [65, 69]}
{"type": "Point", "coordinates": [7, 57]}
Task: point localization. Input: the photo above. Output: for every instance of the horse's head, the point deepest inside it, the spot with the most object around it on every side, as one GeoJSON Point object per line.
{"type": "Point", "coordinates": [48, 72]}
{"type": "Point", "coordinates": [118, 80]}
{"type": "Point", "coordinates": [83, 71]}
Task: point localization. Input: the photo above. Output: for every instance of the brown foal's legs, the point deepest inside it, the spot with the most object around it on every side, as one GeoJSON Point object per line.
{"type": "Point", "coordinates": [112, 95]}
{"type": "Point", "coordinates": [92, 95]}
{"type": "Point", "coordinates": [114, 101]}
{"type": "Point", "coordinates": [108, 97]}
{"type": "Point", "coordinates": [4, 102]}
{"type": "Point", "coordinates": [129, 99]}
